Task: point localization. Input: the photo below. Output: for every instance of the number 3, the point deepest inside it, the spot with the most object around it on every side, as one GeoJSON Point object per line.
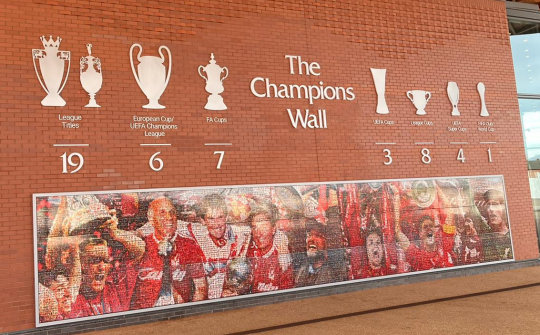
{"type": "Point", "coordinates": [388, 155]}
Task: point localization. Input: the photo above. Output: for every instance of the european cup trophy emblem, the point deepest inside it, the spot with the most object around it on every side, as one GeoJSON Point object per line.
{"type": "Point", "coordinates": [51, 65]}
{"type": "Point", "coordinates": [214, 84]}
{"type": "Point", "coordinates": [91, 77]}
{"type": "Point", "coordinates": [151, 75]}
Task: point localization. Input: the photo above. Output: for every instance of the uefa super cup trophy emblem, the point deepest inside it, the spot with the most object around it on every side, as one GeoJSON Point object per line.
{"type": "Point", "coordinates": [91, 77]}
{"type": "Point", "coordinates": [214, 84]}
{"type": "Point", "coordinates": [51, 65]}
{"type": "Point", "coordinates": [151, 75]}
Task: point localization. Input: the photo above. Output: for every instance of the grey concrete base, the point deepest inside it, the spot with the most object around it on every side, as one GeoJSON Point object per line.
{"type": "Point", "coordinates": [179, 312]}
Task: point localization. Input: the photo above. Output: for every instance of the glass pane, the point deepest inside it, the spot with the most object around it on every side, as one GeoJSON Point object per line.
{"type": "Point", "coordinates": [526, 54]}
{"type": "Point", "coordinates": [530, 119]}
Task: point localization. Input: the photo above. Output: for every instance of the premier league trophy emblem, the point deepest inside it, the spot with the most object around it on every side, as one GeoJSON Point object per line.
{"type": "Point", "coordinates": [51, 65]}
{"type": "Point", "coordinates": [151, 75]}
{"type": "Point", "coordinates": [214, 84]}
{"type": "Point", "coordinates": [91, 77]}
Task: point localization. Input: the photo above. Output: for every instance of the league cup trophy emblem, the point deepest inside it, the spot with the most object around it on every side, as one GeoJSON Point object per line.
{"type": "Point", "coordinates": [91, 77]}
{"type": "Point", "coordinates": [419, 99]}
{"type": "Point", "coordinates": [453, 95]}
{"type": "Point", "coordinates": [151, 75]}
{"type": "Point", "coordinates": [51, 65]}
{"type": "Point", "coordinates": [214, 84]}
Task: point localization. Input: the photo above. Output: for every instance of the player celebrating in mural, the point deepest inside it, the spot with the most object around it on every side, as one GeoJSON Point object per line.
{"type": "Point", "coordinates": [271, 270]}
{"type": "Point", "coordinates": [171, 264]}
{"type": "Point", "coordinates": [429, 254]}
{"type": "Point", "coordinates": [316, 270]}
{"type": "Point", "coordinates": [219, 241]}
{"type": "Point", "coordinates": [497, 242]}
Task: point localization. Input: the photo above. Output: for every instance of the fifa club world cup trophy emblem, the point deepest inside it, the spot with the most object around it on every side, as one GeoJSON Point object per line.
{"type": "Point", "coordinates": [214, 84]}
{"type": "Point", "coordinates": [91, 77]}
{"type": "Point", "coordinates": [151, 75]}
{"type": "Point", "coordinates": [51, 65]}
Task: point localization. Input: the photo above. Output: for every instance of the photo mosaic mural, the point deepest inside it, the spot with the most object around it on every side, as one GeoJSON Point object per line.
{"type": "Point", "coordinates": [106, 253]}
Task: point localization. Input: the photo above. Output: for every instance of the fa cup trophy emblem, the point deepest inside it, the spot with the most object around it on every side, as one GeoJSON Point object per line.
{"type": "Point", "coordinates": [51, 65]}
{"type": "Point", "coordinates": [214, 84]}
{"type": "Point", "coordinates": [151, 75]}
{"type": "Point", "coordinates": [91, 77]}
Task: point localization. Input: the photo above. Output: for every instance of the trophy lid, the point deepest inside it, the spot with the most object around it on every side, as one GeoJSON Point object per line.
{"type": "Point", "coordinates": [212, 66]}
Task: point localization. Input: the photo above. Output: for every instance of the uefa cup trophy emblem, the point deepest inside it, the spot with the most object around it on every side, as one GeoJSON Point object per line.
{"type": "Point", "coordinates": [151, 75]}
{"type": "Point", "coordinates": [214, 84]}
{"type": "Point", "coordinates": [419, 99]}
{"type": "Point", "coordinates": [51, 65]}
{"type": "Point", "coordinates": [91, 77]}
{"type": "Point", "coordinates": [379, 78]}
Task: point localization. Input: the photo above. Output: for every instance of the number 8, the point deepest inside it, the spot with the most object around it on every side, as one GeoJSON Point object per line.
{"type": "Point", "coordinates": [426, 159]}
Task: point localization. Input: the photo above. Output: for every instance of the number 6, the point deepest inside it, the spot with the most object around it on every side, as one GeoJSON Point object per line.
{"type": "Point", "coordinates": [158, 160]}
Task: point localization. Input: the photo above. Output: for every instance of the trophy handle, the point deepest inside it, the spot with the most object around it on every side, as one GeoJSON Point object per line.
{"type": "Point", "coordinates": [410, 96]}
{"type": "Point", "coordinates": [35, 54]}
{"type": "Point", "coordinates": [226, 74]}
{"type": "Point", "coordinates": [428, 96]}
{"type": "Point", "coordinates": [131, 60]}
{"type": "Point", "coordinates": [68, 53]}
{"type": "Point", "coordinates": [200, 73]}
{"type": "Point", "coordinates": [170, 63]}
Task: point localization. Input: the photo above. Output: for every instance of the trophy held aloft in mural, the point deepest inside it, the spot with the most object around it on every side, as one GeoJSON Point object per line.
{"type": "Point", "coordinates": [151, 75]}
{"type": "Point", "coordinates": [91, 76]}
{"type": "Point", "coordinates": [214, 84]}
{"type": "Point", "coordinates": [51, 65]}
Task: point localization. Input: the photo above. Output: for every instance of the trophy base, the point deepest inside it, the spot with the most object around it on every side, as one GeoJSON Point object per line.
{"type": "Point", "coordinates": [382, 108]}
{"type": "Point", "coordinates": [421, 112]}
{"type": "Point", "coordinates": [92, 104]}
{"type": "Point", "coordinates": [153, 104]}
{"type": "Point", "coordinates": [53, 101]}
{"type": "Point", "coordinates": [215, 103]}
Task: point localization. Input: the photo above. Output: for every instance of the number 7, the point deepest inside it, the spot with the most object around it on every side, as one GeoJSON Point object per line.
{"type": "Point", "coordinates": [221, 155]}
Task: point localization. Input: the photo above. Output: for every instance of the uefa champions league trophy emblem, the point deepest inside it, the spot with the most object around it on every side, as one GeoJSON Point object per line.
{"type": "Point", "coordinates": [51, 65]}
{"type": "Point", "coordinates": [214, 84]}
{"type": "Point", "coordinates": [419, 99]}
{"type": "Point", "coordinates": [91, 77]}
{"type": "Point", "coordinates": [151, 75]}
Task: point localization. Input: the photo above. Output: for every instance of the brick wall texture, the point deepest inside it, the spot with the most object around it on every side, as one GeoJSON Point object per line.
{"type": "Point", "coordinates": [423, 44]}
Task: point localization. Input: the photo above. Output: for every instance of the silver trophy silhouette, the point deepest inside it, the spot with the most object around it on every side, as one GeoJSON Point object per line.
{"type": "Point", "coordinates": [482, 91]}
{"type": "Point", "coordinates": [214, 84]}
{"type": "Point", "coordinates": [379, 78]}
{"type": "Point", "coordinates": [51, 64]}
{"type": "Point", "coordinates": [151, 75]}
{"type": "Point", "coordinates": [91, 76]}
{"type": "Point", "coordinates": [419, 99]}
{"type": "Point", "coordinates": [453, 95]}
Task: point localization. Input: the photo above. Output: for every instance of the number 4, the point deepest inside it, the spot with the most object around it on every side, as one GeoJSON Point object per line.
{"type": "Point", "coordinates": [221, 155]}
{"type": "Point", "coordinates": [461, 156]}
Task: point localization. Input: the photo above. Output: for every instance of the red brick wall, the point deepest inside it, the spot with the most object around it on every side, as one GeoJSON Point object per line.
{"type": "Point", "coordinates": [423, 44]}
